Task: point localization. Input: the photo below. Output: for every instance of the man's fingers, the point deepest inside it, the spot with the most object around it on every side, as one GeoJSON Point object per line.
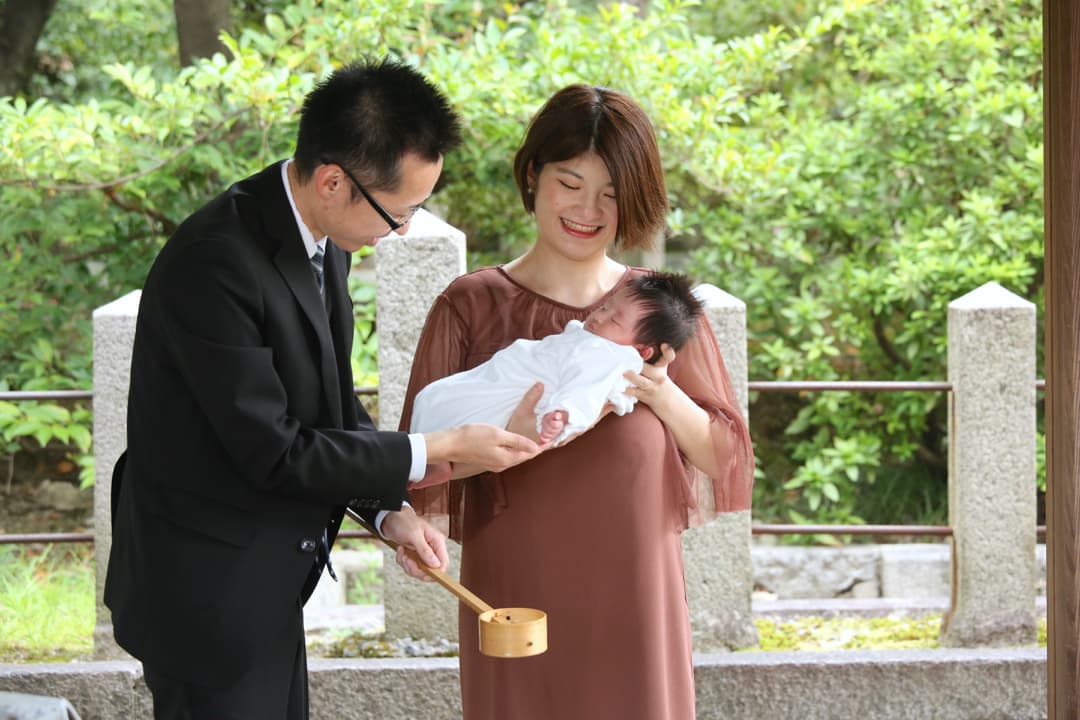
{"type": "Point", "coordinates": [437, 542]}
{"type": "Point", "coordinates": [426, 553]}
{"type": "Point", "coordinates": [518, 443]}
{"type": "Point", "coordinates": [409, 565]}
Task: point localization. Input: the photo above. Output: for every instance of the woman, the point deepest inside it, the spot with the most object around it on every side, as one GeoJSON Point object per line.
{"type": "Point", "coordinates": [589, 532]}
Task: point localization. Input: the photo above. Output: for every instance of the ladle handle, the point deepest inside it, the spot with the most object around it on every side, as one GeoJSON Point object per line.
{"type": "Point", "coordinates": [463, 593]}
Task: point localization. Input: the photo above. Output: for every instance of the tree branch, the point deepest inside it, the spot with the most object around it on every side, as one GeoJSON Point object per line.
{"type": "Point", "coordinates": [101, 250]}
{"type": "Point", "coordinates": [886, 346]}
{"type": "Point", "coordinates": [167, 224]}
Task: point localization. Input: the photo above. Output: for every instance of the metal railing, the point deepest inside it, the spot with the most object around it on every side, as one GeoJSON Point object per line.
{"type": "Point", "coordinates": [753, 386]}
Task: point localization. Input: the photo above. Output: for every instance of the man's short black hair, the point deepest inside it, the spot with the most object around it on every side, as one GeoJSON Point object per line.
{"type": "Point", "coordinates": [368, 115]}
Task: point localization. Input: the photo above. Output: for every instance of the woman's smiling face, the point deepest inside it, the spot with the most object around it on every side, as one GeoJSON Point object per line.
{"type": "Point", "coordinates": [576, 211]}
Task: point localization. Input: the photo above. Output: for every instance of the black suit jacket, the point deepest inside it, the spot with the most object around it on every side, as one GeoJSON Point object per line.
{"type": "Point", "coordinates": [245, 439]}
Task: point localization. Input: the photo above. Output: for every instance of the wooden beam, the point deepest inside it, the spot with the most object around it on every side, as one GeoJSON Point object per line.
{"type": "Point", "coordinates": [1061, 118]}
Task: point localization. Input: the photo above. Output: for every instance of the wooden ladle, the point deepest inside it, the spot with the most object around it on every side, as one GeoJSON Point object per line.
{"type": "Point", "coordinates": [504, 632]}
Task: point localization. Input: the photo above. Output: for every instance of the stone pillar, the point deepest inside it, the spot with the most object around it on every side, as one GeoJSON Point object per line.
{"type": "Point", "coordinates": [992, 469]}
{"type": "Point", "coordinates": [114, 335]}
{"type": "Point", "coordinates": [410, 272]}
{"type": "Point", "coordinates": [719, 572]}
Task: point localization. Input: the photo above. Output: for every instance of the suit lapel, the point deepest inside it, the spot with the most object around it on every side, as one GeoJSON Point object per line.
{"type": "Point", "coordinates": [292, 262]}
{"type": "Point", "coordinates": [295, 268]}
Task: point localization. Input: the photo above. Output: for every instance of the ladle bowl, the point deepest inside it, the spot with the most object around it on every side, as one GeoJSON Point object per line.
{"type": "Point", "coordinates": [513, 632]}
{"type": "Point", "coordinates": [504, 632]}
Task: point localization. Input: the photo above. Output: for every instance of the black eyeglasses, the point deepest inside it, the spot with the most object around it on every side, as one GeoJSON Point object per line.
{"type": "Point", "coordinates": [393, 221]}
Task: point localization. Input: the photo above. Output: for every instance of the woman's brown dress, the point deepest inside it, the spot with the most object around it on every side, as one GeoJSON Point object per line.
{"type": "Point", "coordinates": [588, 532]}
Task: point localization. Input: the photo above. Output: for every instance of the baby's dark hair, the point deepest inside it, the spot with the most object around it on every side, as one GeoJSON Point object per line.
{"type": "Point", "coordinates": [672, 310]}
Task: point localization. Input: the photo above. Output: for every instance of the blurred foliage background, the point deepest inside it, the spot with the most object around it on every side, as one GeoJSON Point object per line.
{"type": "Point", "coordinates": [845, 167]}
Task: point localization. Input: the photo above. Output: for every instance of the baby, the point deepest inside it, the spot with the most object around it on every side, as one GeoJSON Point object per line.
{"type": "Point", "coordinates": [581, 368]}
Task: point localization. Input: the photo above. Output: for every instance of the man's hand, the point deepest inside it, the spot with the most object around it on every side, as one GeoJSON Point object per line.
{"type": "Point", "coordinates": [408, 530]}
{"type": "Point", "coordinates": [485, 447]}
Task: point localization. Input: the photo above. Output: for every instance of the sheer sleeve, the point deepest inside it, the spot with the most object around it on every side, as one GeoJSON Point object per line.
{"type": "Point", "coordinates": [442, 350]}
{"type": "Point", "coordinates": [699, 371]}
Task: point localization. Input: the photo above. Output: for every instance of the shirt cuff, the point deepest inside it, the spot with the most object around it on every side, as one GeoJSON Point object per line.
{"type": "Point", "coordinates": [419, 457]}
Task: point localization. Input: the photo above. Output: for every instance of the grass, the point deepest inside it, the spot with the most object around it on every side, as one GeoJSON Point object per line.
{"type": "Point", "coordinates": [813, 633]}
{"type": "Point", "coordinates": [47, 614]}
{"type": "Point", "coordinates": [46, 603]}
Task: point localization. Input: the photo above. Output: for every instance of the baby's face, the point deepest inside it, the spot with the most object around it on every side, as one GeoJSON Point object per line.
{"type": "Point", "coordinates": [616, 319]}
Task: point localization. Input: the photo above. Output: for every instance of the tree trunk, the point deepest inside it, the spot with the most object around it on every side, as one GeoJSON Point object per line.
{"type": "Point", "coordinates": [21, 23]}
{"type": "Point", "coordinates": [198, 23]}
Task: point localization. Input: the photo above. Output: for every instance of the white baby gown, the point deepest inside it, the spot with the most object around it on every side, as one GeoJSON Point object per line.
{"type": "Point", "coordinates": [581, 372]}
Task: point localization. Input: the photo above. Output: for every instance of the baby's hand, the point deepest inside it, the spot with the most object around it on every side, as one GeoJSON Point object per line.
{"type": "Point", "coordinates": [551, 425]}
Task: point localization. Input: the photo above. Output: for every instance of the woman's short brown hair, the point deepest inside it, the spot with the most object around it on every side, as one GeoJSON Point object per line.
{"type": "Point", "coordinates": [583, 118]}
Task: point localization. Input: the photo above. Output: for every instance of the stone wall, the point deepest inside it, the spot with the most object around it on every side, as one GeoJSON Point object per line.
{"type": "Point", "coordinates": [1006, 684]}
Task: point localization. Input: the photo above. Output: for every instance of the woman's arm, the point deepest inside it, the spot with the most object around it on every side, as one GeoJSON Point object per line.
{"type": "Point", "coordinates": [688, 422]}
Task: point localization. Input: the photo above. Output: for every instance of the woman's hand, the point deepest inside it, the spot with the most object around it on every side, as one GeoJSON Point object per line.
{"type": "Point", "coordinates": [523, 420]}
{"type": "Point", "coordinates": [410, 531]}
{"type": "Point", "coordinates": [652, 385]}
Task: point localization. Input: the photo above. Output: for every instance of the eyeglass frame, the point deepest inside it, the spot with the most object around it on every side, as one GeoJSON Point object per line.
{"type": "Point", "coordinates": [390, 220]}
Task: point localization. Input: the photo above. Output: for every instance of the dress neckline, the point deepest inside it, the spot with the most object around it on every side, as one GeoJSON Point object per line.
{"type": "Point", "coordinates": [603, 298]}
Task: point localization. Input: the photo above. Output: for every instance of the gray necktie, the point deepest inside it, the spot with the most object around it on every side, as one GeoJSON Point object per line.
{"type": "Point", "coordinates": [317, 266]}
{"type": "Point", "coordinates": [324, 544]}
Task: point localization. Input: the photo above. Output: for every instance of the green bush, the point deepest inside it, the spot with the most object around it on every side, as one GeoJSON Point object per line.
{"type": "Point", "coordinates": [847, 170]}
{"type": "Point", "coordinates": [895, 166]}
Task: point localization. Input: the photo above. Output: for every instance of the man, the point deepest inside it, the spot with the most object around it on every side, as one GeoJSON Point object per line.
{"type": "Point", "coordinates": [245, 439]}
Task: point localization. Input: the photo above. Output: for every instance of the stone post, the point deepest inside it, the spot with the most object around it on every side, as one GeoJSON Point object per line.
{"type": "Point", "coordinates": [410, 272]}
{"type": "Point", "coordinates": [114, 335]}
{"type": "Point", "coordinates": [991, 357]}
{"type": "Point", "coordinates": [719, 572]}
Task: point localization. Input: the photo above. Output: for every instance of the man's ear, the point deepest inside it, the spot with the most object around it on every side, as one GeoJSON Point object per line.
{"type": "Point", "coordinates": [327, 180]}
